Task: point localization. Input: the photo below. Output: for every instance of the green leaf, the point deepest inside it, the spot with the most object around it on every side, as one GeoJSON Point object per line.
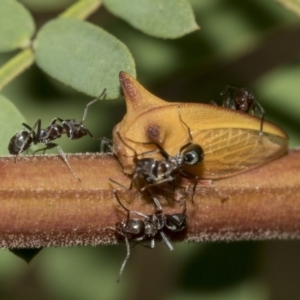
{"type": "Point", "coordinates": [159, 18]}
{"type": "Point", "coordinates": [46, 5]}
{"type": "Point", "coordinates": [292, 5]}
{"type": "Point", "coordinates": [11, 123]}
{"type": "Point", "coordinates": [16, 26]}
{"type": "Point", "coordinates": [83, 56]}
{"type": "Point", "coordinates": [81, 9]}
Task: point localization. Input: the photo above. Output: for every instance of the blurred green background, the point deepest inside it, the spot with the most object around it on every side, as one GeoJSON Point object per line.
{"type": "Point", "coordinates": [253, 44]}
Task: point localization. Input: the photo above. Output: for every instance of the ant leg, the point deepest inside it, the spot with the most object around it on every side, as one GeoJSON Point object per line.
{"type": "Point", "coordinates": [125, 260]}
{"type": "Point", "coordinates": [54, 121]}
{"type": "Point", "coordinates": [121, 204]}
{"type": "Point", "coordinates": [131, 183]}
{"type": "Point", "coordinates": [160, 148]}
{"type": "Point", "coordinates": [48, 146]}
{"type": "Point", "coordinates": [106, 144]}
{"type": "Point", "coordinates": [262, 111]}
{"type": "Point", "coordinates": [66, 161]}
{"type": "Point", "coordinates": [158, 182]}
{"type": "Point", "coordinates": [225, 90]}
{"type": "Point", "coordinates": [228, 101]}
{"type": "Point", "coordinates": [194, 188]}
{"type": "Point", "coordinates": [59, 119]}
{"type": "Point", "coordinates": [128, 210]}
{"type": "Point", "coordinates": [90, 103]}
{"type": "Point", "coordinates": [121, 139]}
{"type": "Point", "coordinates": [152, 243]}
{"type": "Point", "coordinates": [159, 209]}
{"type": "Point", "coordinates": [157, 203]}
{"type": "Point", "coordinates": [187, 175]}
{"type": "Point", "coordinates": [140, 244]}
{"type": "Point", "coordinates": [31, 132]}
{"type": "Point", "coordinates": [187, 127]}
{"type": "Point", "coordinates": [125, 237]}
{"type": "Point", "coordinates": [261, 125]}
{"type": "Point", "coordinates": [127, 222]}
{"type": "Point", "coordinates": [123, 186]}
{"type": "Point", "coordinates": [89, 133]}
{"type": "Point", "coordinates": [166, 240]}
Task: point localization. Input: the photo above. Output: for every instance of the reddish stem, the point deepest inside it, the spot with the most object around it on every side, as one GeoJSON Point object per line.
{"type": "Point", "coordinates": [43, 204]}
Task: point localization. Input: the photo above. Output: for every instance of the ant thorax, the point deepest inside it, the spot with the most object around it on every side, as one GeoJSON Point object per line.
{"type": "Point", "coordinates": [52, 132]}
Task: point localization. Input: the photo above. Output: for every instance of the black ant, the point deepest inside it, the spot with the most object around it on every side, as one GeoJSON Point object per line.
{"type": "Point", "coordinates": [23, 139]}
{"type": "Point", "coordinates": [156, 172]}
{"type": "Point", "coordinates": [138, 230]}
{"type": "Point", "coordinates": [242, 99]}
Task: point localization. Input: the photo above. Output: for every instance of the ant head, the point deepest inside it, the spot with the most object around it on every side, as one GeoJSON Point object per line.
{"type": "Point", "coordinates": [20, 141]}
{"type": "Point", "coordinates": [176, 222]}
{"type": "Point", "coordinates": [244, 99]}
{"type": "Point", "coordinates": [193, 154]}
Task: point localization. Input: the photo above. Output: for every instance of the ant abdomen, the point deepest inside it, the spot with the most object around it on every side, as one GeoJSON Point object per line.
{"type": "Point", "coordinates": [18, 141]}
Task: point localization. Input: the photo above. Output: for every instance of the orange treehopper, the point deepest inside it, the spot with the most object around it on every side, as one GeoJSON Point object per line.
{"type": "Point", "coordinates": [231, 140]}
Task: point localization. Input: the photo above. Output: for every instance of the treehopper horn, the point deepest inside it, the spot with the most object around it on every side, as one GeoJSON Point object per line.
{"type": "Point", "coordinates": [231, 140]}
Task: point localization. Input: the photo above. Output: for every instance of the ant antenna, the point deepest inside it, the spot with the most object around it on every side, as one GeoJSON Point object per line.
{"type": "Point", "coordinates": [125, 260]}
{"type": "Point", "coordinates": [106, 145]}
{"type": "Point", "coordinates": [90, 103]}
{"type": "Point", "coordinates": [186, 126]}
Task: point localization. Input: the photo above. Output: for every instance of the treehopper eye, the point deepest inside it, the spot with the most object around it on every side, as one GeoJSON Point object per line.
{"type": "Point", "coordinates": [231, 140]}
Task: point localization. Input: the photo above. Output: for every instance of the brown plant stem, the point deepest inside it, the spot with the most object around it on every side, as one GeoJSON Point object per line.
{"type": "Point", "coordinates": [42, 204]}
